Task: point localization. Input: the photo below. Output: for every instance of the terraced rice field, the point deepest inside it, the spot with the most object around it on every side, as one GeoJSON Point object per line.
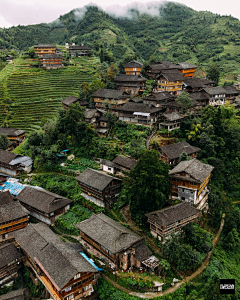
{"type": "Point", "coordinates": [29, 94]}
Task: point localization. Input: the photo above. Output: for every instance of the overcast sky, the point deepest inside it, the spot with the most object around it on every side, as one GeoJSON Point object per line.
{"type": "Point", "coordinates": [25, 12]}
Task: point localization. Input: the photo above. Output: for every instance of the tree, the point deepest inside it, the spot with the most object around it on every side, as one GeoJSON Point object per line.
{"type": "Point", "coordinates": [183, 156]}
{"type": "Point", "coordinates": [213, 73]}
{"type": "Point", "coordinates": [184, 100]}
{"type": "Point", "coordinates": [4, 142]}
{"type": "Point", "coordinates": [165, 266]}
{"type": "Point", "coordinates": [111, 72]}
{"type": "Point", "coordinates": [147, 186]}
{"type": "Point", "coordinates": [149, 87]}
{"type": "Point", "coordinates": [232, 240]}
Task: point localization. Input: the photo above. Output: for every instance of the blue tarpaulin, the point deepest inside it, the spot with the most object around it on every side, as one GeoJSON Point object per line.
{"type": "Point", "coordinates": [14, 188]}
{"type": "Point", "coordinates": [89, 260]}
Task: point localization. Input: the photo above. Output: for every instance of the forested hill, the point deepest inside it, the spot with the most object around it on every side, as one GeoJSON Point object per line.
{"type": "Point", "coordinates": [178, 34]}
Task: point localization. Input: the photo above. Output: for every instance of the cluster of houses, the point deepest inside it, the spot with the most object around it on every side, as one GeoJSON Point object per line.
{"type": "Point", "coordinates": [51, 57]}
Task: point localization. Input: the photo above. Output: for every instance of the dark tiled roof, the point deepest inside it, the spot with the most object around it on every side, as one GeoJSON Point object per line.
{"type": "Point", "coordinates": [194, 167]}
{"type": "Point", "coordinates": [136, 100]}
{"type": "Point", "coordinates": [42, 200]}
{"type": "Point", "coordinates": [104, 119]}
{"type": "Point", "coordinates": [5, 198]}
{"type": "Point", "coordinates": [21, 294]}
{"type": "Point", "coordinates": [8, 254]}
{"type": "Point", "coordinates": [126, 162]}
{"type": "Point", "coordinates": [11, 131]}
{"type": "Point", "coordinates": [202, 95]}
{"type": "Point", "coordinates": [95, 179]}
{"type": "Point", "coordinates": [106, 162]}
{"type": "Point", "coordinates": [230, 90]}
{"type": "Point", "coordinates": [69, 100]}
{"type": "Point", "coordinates": [131, 78]}
{"type": "Point", "coordinates": [80, 48]}
{"type": "Point", "coordinates": [197, 82]}
{"type": "Point", "coordinates": [6, 156]}
{"type": "Point", "coordinates": [132, 64]}
{"type": "Point", "coordinates": [108, 233]}
{"type": "Point", "coordinates": [59, 259]}
{"type": "Point", "coordinates": [215, 90]}
{"type": "Point", "coordinates": [51, 56]}
{"type": "Point", "coordinates": [175, 150]}
{"type": "Point", "coordinates": [110, 94]}
{"type": "Point", "coordinates": [90, 113]}
{"type": "Point", "coordinates": [45, 45]}
{"type": "Point", "coordinates": [137, 107]}
{"type": "Point", "coordinates": [172, 214]}
{"type": "Point", "coordinates": [162, 65]}
{"type": "Point", "coordinates": [171, 75]}
{"type": "Point", "coordinates": [12, 211]}
{"type": "Point", "coordinates": [142, 251]}
{"type": "Point", "coordinates": [185, 65]}
{"type": "Point", "coordinates": [159, 96]}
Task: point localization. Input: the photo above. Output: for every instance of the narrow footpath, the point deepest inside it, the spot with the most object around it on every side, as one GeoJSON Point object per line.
{"type": "Point", "coordinates": [203, 266]}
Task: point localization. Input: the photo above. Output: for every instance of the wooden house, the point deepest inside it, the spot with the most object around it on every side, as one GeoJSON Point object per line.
{"type": "Point", "coordinates": [196, 84]}
{"type": "Point", "coordinates": [133, 68]}
{"type": "Point", "coordinates": [170, 121]}
{"type": "Point", "coordinates": [120, 247]}
{"type": "Point", "coordinates": [138, 113]}
{"type": "Point", "coordinates": [72, 100]}
{"type": "Point", "coordinates": [217, 95]}
{"type": "Point", "coordinates": [107, 166]}
{"type": "Point", "coordinates": [20, 294]}
{"type": "Point", "coordinates": [42, 49]}
{"type": "Point", "coordinates": [102, 126]}
{"type": "Point", "coordinates": [82, 50]}
{"type": "Point", "coordinates": [170, 220]}
{"type": "Point", "coordinates": [153, 70]}
{"type": "Point", "coordinates": [10, 259]}
{"type": "Point", "coordinates": [91, 116]}
{"type": "Point", "coordinates": [13, 216]}
{"type": "Point", "coordinates": [14, 135]}
{"type": "Point", "coordinates": [158, 99]}
{"type": "Point", "coordinates": [43, 205]}
{"type": "Point", "coordinates": [132, 84]}
{"type": "Point", "coordinates": [112, 98]}
{"type": "Point", "coordinates": [65, 271]}
{"type": "Point", "coordinates": [200, 99]}
{"type": "Point", "coordinates": [51, 61]}
{"type": "Point", "coordinates": [186, 69]}
{"type": "Point", "coordinates": [189, 182]}
{"type": "Point", "coordinates": [170, 154]}
{"type": "Point", "coordinates": [231, 94]}
{"type": "Point", "coordinates": [13, 164]}
{"type": "Point", "coordinates": [98, 187]}
{"type": "Point", "coordinates": [170, 81]}
{"type": "Point", "coordinates": [123, 163]}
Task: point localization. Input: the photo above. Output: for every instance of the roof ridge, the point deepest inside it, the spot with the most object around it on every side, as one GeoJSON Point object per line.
{"type": "Point", "coordinates": [111, 224]}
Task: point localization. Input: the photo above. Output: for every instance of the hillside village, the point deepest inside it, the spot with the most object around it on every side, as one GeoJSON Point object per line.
{"type": "Point", "coordinates": [121, 185]}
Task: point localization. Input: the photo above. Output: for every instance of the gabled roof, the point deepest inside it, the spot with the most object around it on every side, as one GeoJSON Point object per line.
{"type": "Point", "coordinates": [159, 96]}
{"type": "Point", "coordinates": [45, 45]}
{"type": "Point", "coordinates": [90, 113]}
{"type": "Point", "coordinates": [174, 116]}
{"type": "Point", "coordinates": [108, 233]}
{"type": "Point", "coordinates": [194, 167]}
{"type": "Point", "coordinates": [11, 131]}
{"type": "Point", "coordinates": [96, 179]}
{"type": "Point", "coordinates": [202, 95]}
{"type": "Point", "coordinates": [5, 198]}
{"type": "Point", "coordinates": [136, 100]}
{"type": "Point", "coordinates": [8, 254]}
{"type": "Point", "coordinates": [126, 162]}
{"type": "Point", "coordinates": [215, 90]}
{"type": "Point", "coordinates": [83, 47]}
{"type": "Point", "coordinates": [172, 214]}
{"type": "Point", "coordinates": [197, 82]}
{"type": "Point", "coordinates": [231, 90]}
{"type": "Point", "coordinates": [6, 156]}
{"type": "Point", "coordinates": [131, 78]}
{"type": "Point", "coordinates": [161, 65]}
{"type": "Point", "coordinates": [110, 94]}
{"type": "Point", "coordinates": [12, 211]}
{"type": "Point", "coordinates": [132, 64]}
{"type": "Point", "coordinates": [185, 65]}
{"type": "Point", "coordinates": [42, 200]}
{"type": "Point", "coordinates": [171, 75]}
{"type": "Point", "coordinates": [138, 107]}
{"type": "Point", "coordinates": [107, 163]}
{"type": "Point", "coordinates": [61, 261]}
{"type": "Point", "coordinates": [142, 251]}
{"type": "Point", "coordinates": [175, 150]}
{"type": "Point", "coordinates": [69, 100]}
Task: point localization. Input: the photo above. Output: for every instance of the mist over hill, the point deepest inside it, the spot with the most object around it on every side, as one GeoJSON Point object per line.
{"type": "Point", "coordinates": [167, 30]}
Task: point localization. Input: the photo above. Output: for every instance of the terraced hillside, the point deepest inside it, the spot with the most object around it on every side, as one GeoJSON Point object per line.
{"type": "Point", "coordinates": [29, 94]}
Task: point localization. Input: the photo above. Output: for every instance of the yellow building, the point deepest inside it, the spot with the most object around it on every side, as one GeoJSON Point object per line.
{"type": "Point", "coordinates": [170, 81]}
{"type": "Point", "coordinates": [133, 68]}
{"type": "Point", "coordinates": [42, 49]}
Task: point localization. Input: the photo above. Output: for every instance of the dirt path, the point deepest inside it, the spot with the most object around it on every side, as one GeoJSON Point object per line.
{"type": "Point", "coordinates": [204, 264]}
{"type": "Point", "coordinates": [236, 202]}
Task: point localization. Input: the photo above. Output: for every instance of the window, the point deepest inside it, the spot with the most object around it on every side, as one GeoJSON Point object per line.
{"type": "Point", "coordinates": [193, 183]}
{"type": "Point", "coordinates": [51, 214]}
{"type": "Point", "coordinates": [77, 276]}
{"type": "Point", "coordinates": [68, 289]}
{"type": "Point", "coordinates": [176, 180]}
{"type": "Point", "coordinates": [109, 169]}
{"type": "Point", "coordinates": [134, 69]}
